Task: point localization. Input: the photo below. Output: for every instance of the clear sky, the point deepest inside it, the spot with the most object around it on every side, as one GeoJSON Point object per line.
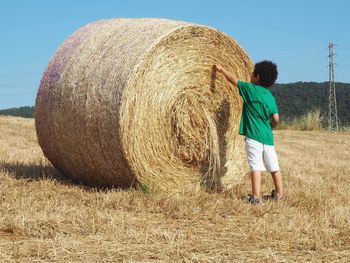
{"type": "Point", "coordinates": [293, 33]}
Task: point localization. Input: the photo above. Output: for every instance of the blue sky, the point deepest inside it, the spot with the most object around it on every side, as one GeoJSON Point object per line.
{"type": "Point", "coordinates": [293, 33]}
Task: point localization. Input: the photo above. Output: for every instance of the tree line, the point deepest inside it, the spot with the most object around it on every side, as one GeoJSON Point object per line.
{"type": "Point", "coordinates": [25, 112]}
{"type": "Point", "coordinates": [293, 99]}
{"type": "Point", "coordinates": [297, 99]}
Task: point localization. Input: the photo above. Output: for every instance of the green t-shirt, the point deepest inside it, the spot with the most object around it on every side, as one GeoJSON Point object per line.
{"type": "Point", "coordinates": [258, 106]}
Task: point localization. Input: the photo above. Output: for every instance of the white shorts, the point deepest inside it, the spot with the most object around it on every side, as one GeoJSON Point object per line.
{"type": "Point", "coordinates": [261, 157]}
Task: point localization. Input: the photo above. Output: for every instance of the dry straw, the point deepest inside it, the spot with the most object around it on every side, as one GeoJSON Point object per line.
{"type": "Point", "coordinates": [136, 101]}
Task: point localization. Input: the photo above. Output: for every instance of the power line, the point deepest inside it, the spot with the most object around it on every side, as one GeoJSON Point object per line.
{"type": "Point", "coordinates": [347, 59]}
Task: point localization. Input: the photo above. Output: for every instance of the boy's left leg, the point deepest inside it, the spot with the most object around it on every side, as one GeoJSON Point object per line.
{"type": "Point", "coordinates": [254, 151]}
{"type": "Point", "coordinates": [255, 177]}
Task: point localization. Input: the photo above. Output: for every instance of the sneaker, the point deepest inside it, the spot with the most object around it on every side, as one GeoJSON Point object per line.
{"type": "Point", "coordinates": [253, 200]}
{"type": "Point", "coordinates": [274, 197]}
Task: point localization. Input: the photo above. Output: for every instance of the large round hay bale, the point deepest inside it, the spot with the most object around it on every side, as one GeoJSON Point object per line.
{"type": "Point", "coordinates": [136, 101]}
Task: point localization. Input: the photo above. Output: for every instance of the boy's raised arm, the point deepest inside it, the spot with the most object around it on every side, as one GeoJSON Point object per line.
{"type": "Point", "coordinates": [230, 77]}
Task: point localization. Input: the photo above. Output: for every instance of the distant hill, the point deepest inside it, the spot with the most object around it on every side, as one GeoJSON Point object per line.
{"type": "Point", "coordinates": [293, 99]}
{"type": "Point", "coordinates": [296, 99]}
{"type": "Point", "coordinates": [25, 112]}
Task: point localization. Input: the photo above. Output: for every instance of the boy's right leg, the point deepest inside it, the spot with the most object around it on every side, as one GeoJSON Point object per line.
{"type": "Point", "coordinates": [277, 180]}
{"type": "Point", "coordinates": [271, 162]}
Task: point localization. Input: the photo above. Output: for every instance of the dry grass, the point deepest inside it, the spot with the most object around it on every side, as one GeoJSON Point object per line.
{"type": "Point", "coordinates": [311, 121]}
{"type": "Point", "coordinates": [46, 218]}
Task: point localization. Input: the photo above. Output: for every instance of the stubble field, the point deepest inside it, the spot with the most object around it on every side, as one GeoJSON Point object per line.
{"type": "Point", "coordinates": [45, 217]}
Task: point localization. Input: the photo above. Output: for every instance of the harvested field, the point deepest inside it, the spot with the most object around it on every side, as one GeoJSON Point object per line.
{"type": "Point", "coordinates": [48, 218]}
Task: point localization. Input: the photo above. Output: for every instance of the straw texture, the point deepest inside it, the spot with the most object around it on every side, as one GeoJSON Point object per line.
{"type": "Point", "coordinates": [136, 101]}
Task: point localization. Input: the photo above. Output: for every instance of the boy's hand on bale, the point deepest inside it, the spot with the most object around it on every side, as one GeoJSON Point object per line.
{"type": "Point", "coordinates": [229, 76]}
{"type": "Point", "coordinates": [218, 68]}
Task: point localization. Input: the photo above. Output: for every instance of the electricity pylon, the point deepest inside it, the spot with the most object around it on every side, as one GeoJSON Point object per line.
{"type": "Point", "coordinates": [333, 115]}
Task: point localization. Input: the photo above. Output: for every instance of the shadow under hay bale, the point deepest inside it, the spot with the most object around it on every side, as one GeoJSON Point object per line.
{"type": "Point", "coordinates": [34, 172]}
{"type": "Point", "coordinates": [136, 101]}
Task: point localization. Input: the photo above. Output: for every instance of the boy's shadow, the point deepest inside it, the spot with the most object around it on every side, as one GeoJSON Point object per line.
{"type": "Point", "coordinates": [212, 182]}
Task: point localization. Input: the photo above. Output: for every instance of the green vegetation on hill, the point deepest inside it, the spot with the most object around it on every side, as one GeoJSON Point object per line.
{"type": "Point", "coordinates": [294, 100]}
{"type": "Point", "coordinates": [25, 112]}
{"type": "Point", "coordinates": [298, 99]}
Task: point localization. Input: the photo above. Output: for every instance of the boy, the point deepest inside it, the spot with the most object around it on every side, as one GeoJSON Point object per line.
{"type": "Point", "coordinates": [259, 117]}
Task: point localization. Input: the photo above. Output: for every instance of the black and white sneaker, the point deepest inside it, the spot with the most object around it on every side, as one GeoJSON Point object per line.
{"type": "Point", "coordinates": [273, 197]}
{"type": "Point", "coordinates": [253, 200]}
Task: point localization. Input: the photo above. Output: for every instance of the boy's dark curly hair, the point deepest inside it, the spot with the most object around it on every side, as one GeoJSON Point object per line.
{"type": "Point", "coordinates": [267, 72]}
